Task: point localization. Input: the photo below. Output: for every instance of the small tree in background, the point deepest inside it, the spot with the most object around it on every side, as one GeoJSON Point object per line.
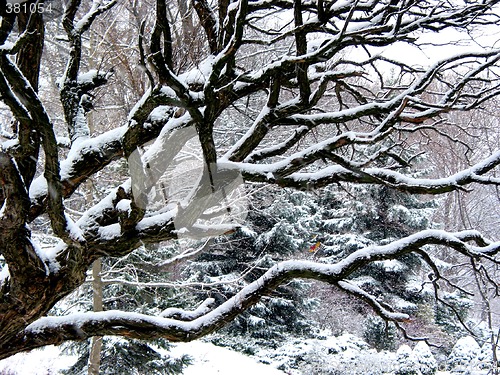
{"type": "Point", "coordinates": [463, 356]}
{"type": "Point", "coordinates": [277, 228]}
{"type": "Point", "coordinates": [406, 362]}
{"type": "Point", "coordinates": [424, 360]}
{"type": "Point", "coordinates": [380, 334]}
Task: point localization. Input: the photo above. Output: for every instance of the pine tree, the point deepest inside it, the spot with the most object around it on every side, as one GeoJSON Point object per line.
{"type": "Point", "coordinates": [380, 334]}
{"type": "Point", "coordinates": [376, 216]}
{"type": "Point", "coordinates": [123, 356]}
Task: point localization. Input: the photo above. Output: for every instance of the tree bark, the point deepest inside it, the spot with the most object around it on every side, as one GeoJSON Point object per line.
{"type": "Point", "coordinates": [96, 345]}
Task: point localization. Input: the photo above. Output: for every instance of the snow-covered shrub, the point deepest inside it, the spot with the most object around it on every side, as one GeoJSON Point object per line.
{"type": "Point", "coordinates": [424, 359]}
{"type": "Point", "coordinates": [407, 364]}
{"type": "Point", "coordinates": [368, 363]}
{"type": "Point", "coordinates": [346, 354]}
{"type": "Point", "coordinates": [463, 355]}
{"type": "Point", "coordinates": [485, 357]}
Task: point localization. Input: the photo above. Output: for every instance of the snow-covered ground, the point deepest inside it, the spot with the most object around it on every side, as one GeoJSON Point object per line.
{"type": "Point", "coordinates": [351, 356]}
{"type": "Point", "coordinates": [37, 362]}
{"type": "Point", "coordinates": [207, 358]}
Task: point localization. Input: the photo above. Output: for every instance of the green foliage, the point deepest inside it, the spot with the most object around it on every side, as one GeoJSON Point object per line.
{"type": "Point", "coordinates": [455, 308]}
{"type": "Point", "coordinates": [124, 356]}
{"type": "Point", "coordinates": [380, 334]}
{"type": "Point", "coordinates": [424, 359]}
{"type": "Point", "coordinates": [277, 229]}
{"type": "Point", "coordinates": [464, 355]}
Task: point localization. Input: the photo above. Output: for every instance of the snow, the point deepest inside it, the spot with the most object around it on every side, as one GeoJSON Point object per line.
{"type": "Point", "coordinates": [188, 315]}
{"type": "Point", "coordinates": [37, 362]}
{"type": "Point", "coordinates": [2, 210]}
{"type": "Point", "coordinates": [199, 74]}
{"type": "Point", "coordinates": [48, 257]}
{"type": "Point", "coordinates": [4, 274]}
{"type": "Point", "coordinates": [85, 145]}
{"type": "Point", "coordinates": [207, 358]}
{"type": "Point", "coordinates": [160, 113]}
{"type": "Point", "coordinates": [86, 19]}
{"type": "Point", "coordinates": [210, 359]}
{"type": "Point", "coordinates": [249, 134]}
{"type": "Point", "coordinates": [74, 230]}
{"type": "Point", "coordinates": [139, 103]}
{"type": "Point", "coordinates": [314, 44]}
{"type": "Point", "coordinates": [88, 77]}
{"type": "Point", "coordinates": [426, 362]}
{"type": "Point", "coordinates": [298, 356]}
{"type": "Point", "coordinates": [10, 143]}
{"type": "Point", "coordinates": [464, 354]}
{"type": "Point", "coordinates": [110, 232]}
{"type": "Point", "coordinates": [157, 220]}
{"type": "Point", "coordinates": [125, 205]}
{"type": "Point", "coordinates": [88, 218]}
{"type": "Point", "coordinates": [38, 187]}
{"type": "Point", "coordinates": [7, 46]}
{"type": "Point", "coordinates": [391, 265]}
{"type": "Point", "coordinates": [406, 359]}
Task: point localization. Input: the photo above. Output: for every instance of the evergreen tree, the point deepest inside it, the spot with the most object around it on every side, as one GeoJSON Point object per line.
{"type": "Point", "coordinates": [452, 312]}
{"type": "Point", "coordinates": [424, 359]}
{"type": "Point", "coordinates": [376, 216]}
{"type": "Point", "coordinates": [406, 362]}
{"type": "Point", "coordinates": [276, 227]}
{"type": "Point", "coordinates": [380, 334]}
{"type": "Point", "coordinates": [354, 217]}
{"type": "Point", "coordinates": [463, 355]}
{"type": "Point", "coordinates": [123, 356]}
{"type": "Point", "coordinates": [127, 289]}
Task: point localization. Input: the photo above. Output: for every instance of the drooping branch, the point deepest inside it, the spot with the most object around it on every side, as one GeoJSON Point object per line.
{"type": "Point", "coordinates": [54, 330]}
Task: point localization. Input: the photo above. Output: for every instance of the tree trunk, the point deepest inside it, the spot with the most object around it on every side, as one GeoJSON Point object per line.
{"type": "Point", "coordinates": [95, 348]}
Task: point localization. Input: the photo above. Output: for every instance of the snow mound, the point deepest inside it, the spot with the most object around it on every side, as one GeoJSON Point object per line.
{"type": "Point", "coordinates": [209, 359]}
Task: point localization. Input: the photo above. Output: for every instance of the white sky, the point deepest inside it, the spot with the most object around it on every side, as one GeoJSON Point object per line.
{"type": "Point", "coordinates": [437, 46]}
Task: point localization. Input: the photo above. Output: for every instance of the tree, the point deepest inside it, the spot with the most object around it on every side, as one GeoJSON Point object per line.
{"type": "Point", "coordinates": [463, 356]}
{"type": "Point", "coordinates": [277, 223]}
{"type": "Point", "coordinates": [305, 64]}
{"type": "Point", "coordinates": [425, 360]}
{"type": "Point", "coordinates": [407, 364]}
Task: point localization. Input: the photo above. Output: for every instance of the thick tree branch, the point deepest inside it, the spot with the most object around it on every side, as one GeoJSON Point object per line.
{"type": "Point", "coordinates": [379, 176]}
{"type": "Point", "coordinates": [54, 330]}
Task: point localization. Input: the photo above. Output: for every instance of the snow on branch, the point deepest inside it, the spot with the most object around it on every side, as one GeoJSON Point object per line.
{"type": "Point", "coordinates": [349, 172]}
{"type": "Point", "coordinates": [179, 314]}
